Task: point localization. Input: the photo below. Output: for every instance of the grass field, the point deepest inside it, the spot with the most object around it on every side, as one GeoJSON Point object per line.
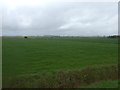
{"type": "Point", "coordinates": [0, 62]}
{"type": "Point", "coordinates": [39, 55]}
{"type": "Point", "coordinates": [104, 84]}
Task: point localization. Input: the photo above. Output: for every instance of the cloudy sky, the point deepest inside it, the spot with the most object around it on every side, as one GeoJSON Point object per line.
{"type": "Point", "coordinates": [25, 17]}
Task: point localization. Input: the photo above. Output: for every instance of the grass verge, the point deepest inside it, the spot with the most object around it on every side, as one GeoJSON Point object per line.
{"type": "Point", "coordinates": [65, 79]}
{"type": "Point", "coordinates": [104, 84]}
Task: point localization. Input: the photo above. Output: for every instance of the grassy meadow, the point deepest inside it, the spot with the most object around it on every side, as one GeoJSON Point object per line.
{"type": "Point", "coordinates": [35, 58]}
{"type": "Point", "coordinates": [106, 84]}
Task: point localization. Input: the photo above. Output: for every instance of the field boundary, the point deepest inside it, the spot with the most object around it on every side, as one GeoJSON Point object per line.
{"type": "Point", "coordinates": [66, 79]}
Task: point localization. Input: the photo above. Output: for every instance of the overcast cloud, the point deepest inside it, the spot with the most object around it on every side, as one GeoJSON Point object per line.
{"type": "Point", "coordinates": [61, 18]}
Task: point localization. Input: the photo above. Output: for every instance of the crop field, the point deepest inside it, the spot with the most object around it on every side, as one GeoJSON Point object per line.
{"type": "Point", "coordinates": [41, 61]}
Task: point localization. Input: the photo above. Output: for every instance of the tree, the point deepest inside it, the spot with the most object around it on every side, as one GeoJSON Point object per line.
{"type": "Point", "coordinates": [26, 37]}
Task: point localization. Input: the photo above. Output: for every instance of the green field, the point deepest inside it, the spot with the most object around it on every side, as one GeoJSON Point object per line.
{"type": "Point", "coordinates": [104, 84]}
{"type": "Point", "coordinates": [39, 55]}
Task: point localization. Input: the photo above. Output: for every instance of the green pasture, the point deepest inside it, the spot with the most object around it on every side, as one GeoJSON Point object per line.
{"type": "Point", "coordinates": [104, 84]}
{"type": "Point", "coordinates": [38, 55]}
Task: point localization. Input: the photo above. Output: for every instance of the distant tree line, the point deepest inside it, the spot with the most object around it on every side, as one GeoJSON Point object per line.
{"type": "Point", "coordinates": [114, 36]}
{"type": "Point", "coordinates": [52, 36]}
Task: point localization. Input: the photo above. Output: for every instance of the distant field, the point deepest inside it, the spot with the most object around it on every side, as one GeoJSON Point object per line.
{"type": "Point", "coordinates": [38, 55]}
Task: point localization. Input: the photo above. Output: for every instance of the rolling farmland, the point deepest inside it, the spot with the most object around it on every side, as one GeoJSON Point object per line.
{"type": "Point", "coordinates": [38, 57]}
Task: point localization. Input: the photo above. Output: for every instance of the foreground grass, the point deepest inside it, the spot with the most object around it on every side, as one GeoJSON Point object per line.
{"type": "Point", "coordinates": [65, 79]}
{"type": "Point", "coordinates": [39, 56]}
{"type": "Point", "coordinates": [104, 84]}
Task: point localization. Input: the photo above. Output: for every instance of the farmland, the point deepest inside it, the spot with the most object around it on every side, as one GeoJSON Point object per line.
{"type": "Point", "coordinates": [46, 56]}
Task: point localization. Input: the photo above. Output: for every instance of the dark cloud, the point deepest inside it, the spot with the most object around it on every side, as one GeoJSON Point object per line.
{"type": "Point", "coordinates": [63, 18]}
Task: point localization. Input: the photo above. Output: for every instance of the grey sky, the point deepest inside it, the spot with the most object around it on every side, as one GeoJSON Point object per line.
{"type": "Point", "coordinates": [61, 18]}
